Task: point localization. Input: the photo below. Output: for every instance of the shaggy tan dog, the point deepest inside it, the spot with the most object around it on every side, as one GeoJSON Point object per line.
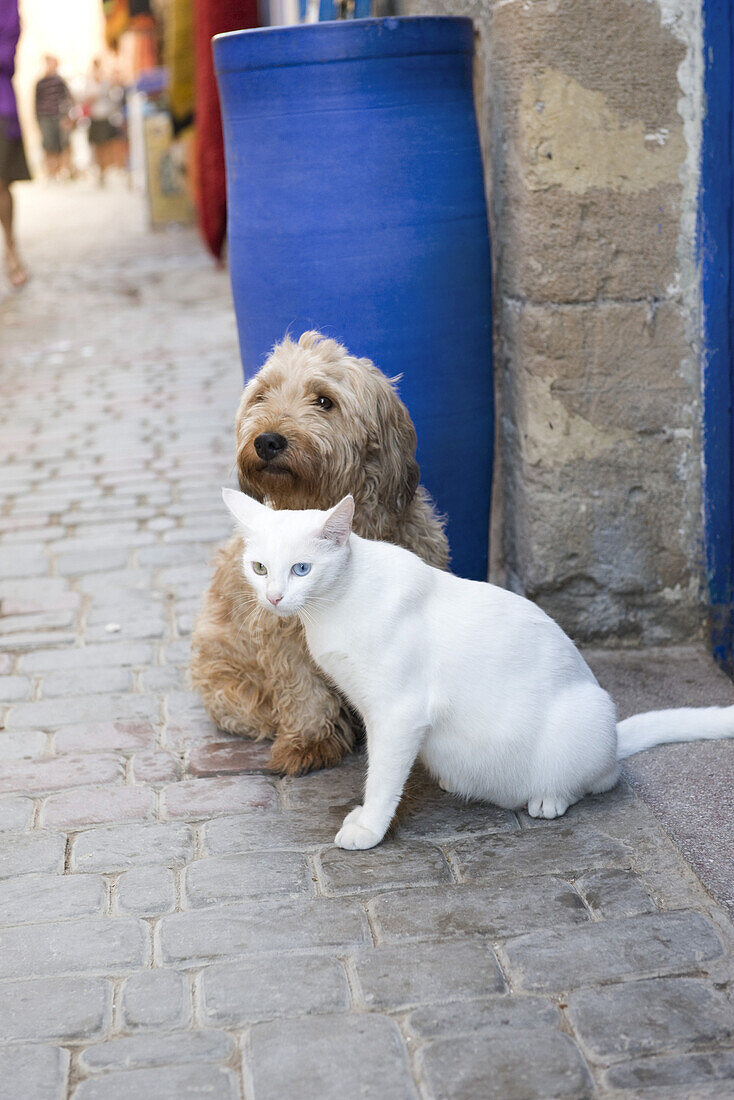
{"type": "Point", "coordinates": [313, 425]}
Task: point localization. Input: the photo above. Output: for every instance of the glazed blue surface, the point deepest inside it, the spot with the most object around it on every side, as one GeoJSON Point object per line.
{"type": "Point", "coordinates": [716, 244]}
{"type": "Point", "coordinates": [356, 206]}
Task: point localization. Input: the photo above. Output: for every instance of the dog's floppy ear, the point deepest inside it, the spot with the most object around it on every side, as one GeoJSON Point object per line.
{"type": "Point", "coordinates": [337, 526]}
{"type": "Point", "coordinates": [391, 450]}
{"type": "Point", "coordinates": [245, 510]}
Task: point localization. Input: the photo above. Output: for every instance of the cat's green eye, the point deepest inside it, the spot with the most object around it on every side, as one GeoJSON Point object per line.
{"type": "Point", "coordinates": [259, 568]}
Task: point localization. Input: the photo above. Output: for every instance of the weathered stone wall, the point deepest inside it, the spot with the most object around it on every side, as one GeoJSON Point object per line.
{"type": "Point", "coordinates": [590, 114]}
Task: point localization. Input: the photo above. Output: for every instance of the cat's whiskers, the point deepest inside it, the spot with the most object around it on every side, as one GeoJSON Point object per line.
{"type": "Point", "coordinates": [253, 617]}
{"type": "Point", "coordinates": [305, 616]}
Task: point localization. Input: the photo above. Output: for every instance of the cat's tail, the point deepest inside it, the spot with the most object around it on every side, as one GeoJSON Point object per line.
{"type": "Point", "coordinates": [662, 727]}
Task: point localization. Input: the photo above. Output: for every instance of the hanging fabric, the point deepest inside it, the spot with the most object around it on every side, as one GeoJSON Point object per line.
{"type": "Point", "coordinates": [213, 17]}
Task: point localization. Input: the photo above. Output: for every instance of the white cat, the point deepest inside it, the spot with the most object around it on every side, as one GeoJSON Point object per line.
{"type": "Point", "coordinates": [477, 681]}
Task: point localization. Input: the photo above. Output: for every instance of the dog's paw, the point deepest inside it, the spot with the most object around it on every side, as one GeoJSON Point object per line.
{"type": "Point", "coordinates": [291, 757]}
{"type": "Point", "coordinates": [354, 836]}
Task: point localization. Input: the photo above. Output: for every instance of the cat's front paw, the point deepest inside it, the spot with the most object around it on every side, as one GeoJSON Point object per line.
{"type": "Point", "coordinates": [354, 836]}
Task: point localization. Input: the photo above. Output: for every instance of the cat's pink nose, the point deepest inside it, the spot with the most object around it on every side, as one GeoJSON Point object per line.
{"type": "Point", "coordinates": [275, 600]}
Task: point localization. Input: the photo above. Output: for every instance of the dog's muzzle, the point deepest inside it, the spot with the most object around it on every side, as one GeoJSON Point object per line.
{"type": "Point", "coordinates": [270, 444]}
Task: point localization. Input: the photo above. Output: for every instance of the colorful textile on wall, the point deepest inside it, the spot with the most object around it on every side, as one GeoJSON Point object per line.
{"type": "Point", "coordinates": [179, 59]}
{"type": "Point", "coordinates": [116, 20]}
{"type": "Point", "coordinates": [213, 17]}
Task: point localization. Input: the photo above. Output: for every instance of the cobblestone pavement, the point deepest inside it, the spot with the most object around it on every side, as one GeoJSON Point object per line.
{"type": "Point", "coordinates": [175, 921]}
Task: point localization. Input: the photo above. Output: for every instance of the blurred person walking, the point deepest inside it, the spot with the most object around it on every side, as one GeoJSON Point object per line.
{"type": "Point", "coordinates": [104, 101]}
{"type": "Point", "coordinates": [13, 165]}
{"type": "Point", "coordinates": [53, 102]}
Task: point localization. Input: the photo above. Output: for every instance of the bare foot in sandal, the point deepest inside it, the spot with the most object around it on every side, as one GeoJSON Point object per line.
{"type": "Point", "coordinates": [17, 274]}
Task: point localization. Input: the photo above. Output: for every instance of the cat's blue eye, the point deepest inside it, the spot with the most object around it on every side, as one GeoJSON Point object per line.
{"type": "Point", "coordinates": [301, 568]}
{"type": "Point", "coordinates": [259, 568]}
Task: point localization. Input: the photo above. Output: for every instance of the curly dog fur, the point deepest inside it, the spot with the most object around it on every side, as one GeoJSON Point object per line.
{"type": "Point", "coordinates": [345, 431]}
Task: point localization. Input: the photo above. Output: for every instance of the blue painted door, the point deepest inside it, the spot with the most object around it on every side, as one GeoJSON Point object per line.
{"type": "Point", "coordinates": [716, 242]}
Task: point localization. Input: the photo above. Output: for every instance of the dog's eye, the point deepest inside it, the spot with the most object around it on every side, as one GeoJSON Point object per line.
{"type": "Point", "coordinates": [257, 398]}
{"type": "Point", "coordinates": [259, 568]}
{"type": "Point", "coordinates": [301, 568]}
{"type": "Point", "coordinates": [324, 402]}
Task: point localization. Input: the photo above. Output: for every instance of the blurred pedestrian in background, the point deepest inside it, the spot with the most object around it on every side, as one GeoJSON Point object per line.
{"type": "Point", "coordinates": [53, 103]}
{"type": "Point", "coordinates": [118, 93]}
{"type": "Point", "coordinates": [105, 102]}
{"type": "Point", "coordinates": [13, 165]}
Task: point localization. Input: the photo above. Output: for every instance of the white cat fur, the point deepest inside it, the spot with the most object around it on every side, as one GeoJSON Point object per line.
{"type": "Point", "coordinates": [476, 681]}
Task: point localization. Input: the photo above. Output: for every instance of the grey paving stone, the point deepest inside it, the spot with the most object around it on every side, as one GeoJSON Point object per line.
{"type": "Point", "coordinates": [659, 1015]}
{"type": "Point", "coordinates": [259, 830]}
{"type": "Point", "coordinates": [131, 628]}
{"type": "Point", "coordinates": [400, 975]}
{"type": "Point", "coordinates": [35, 898]}
{"type": "Point", "coordinates": [164, 1083]}
{"type": "Point", "coordinates": [289, 985]}
{"type": "Point", "coordinates": [22, 744]}
{"type": "Point", "coordinates": [96, 945]}
{"type": "Point", "coordinates": [393, 863]}
{"type": "Point", "coordinates": [178, 652]}
{"type": "Point", "coordinates": [646, 946]}
{"type": "Point", "coordinates": [183, 579]}
{"type": "Point", "coordinates": [155, 999]}
{"type": "Point", "coordinates": [55, 1008]}
{"type": "Point", "coordinates": [18, 624]}
{"type": "Point", "coordinates": [681, 1075]}
{"type": "Point", "coordinates": [111, 539]}
{"type": "Point", "coordinates": [221, 794]}
{"type": "Point", "coordinates": [31, 852]}
{"type": "Point", "coordinates": [87, 657]}
{"type": "Point", "coordinates": [105, 737]}
{"type": "Point", "coordinates": [342, 786]}
{"type": "Point", "coordinates": [183, 704]}
{"type": "Point", "coordinates": [498, 1066]}
{"type": "Point", "coordinates": [145, 891]}
{"type": "Point", "coordinates": [22, 563]}
{"type": "Point", "coordinates": [81, 807]}
{"type": "Point", "coordinates": [33, 534]}
{"type": "Point", "coordinates": [155, 767]}
{"type": "Point", "coordinates": [56, 773]}
{"type": "Point", "coordinates": [33, 1072]}
{"type": "Point", "coordinates": [16, 813]}
{"type": "Point", "coordinates": [466, 1017]}
{"type": "Point", "coordinates": [240, 929]}
{"type": "Point", "coordinates": [502, 910]}
{"type": "Point", "coordinates": [30, 639]}
{"type": "Point", "coordinates": [221, 879]}
{"type": "Point", "coordinates": [69, 682]}
{"type": "Point", "coordinates": [437, 815]}
{"type": "Point", "coordinates": [14, 687]}
{"type": "Point", "coordinates": [161, 678]}
{"type": "Point", "coordinates": [565, 851]}
{"type": "Point", "coordinates": [52, 713]}
{"type": "Point", "coordinates": [180, 554]}
{"type": "Point", "coordinates": [139, 1051]}
{"type": "Point", "coordinates": [611, 893]}
{"type": "Point", "coordinates": [328, 1058]}
{"type": "Point", "coordinates": [116, 847]}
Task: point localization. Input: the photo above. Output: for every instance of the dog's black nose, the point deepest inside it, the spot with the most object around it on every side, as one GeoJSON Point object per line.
{"type": "Point", "coordinates": [269, 444]}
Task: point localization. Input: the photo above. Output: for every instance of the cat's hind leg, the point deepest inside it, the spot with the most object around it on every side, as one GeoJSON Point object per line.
{"type": "Point", "coordinates": [551, 806]}
{"type": "Point", "coordinates": [577, 751]}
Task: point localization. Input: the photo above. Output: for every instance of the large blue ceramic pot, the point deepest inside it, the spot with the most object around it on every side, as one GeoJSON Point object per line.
{"type": "Point", "coordinates": [356, 207]}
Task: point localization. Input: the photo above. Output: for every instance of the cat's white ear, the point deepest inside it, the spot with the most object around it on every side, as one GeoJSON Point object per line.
{"type": "Point", "coordinates": [338, 523]}
{"type": "Point", "coordinates": [244, 509]}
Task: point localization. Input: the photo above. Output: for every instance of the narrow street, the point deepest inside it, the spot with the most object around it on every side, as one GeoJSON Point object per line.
{"type": "Point", "coordinates": [174, 920]}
